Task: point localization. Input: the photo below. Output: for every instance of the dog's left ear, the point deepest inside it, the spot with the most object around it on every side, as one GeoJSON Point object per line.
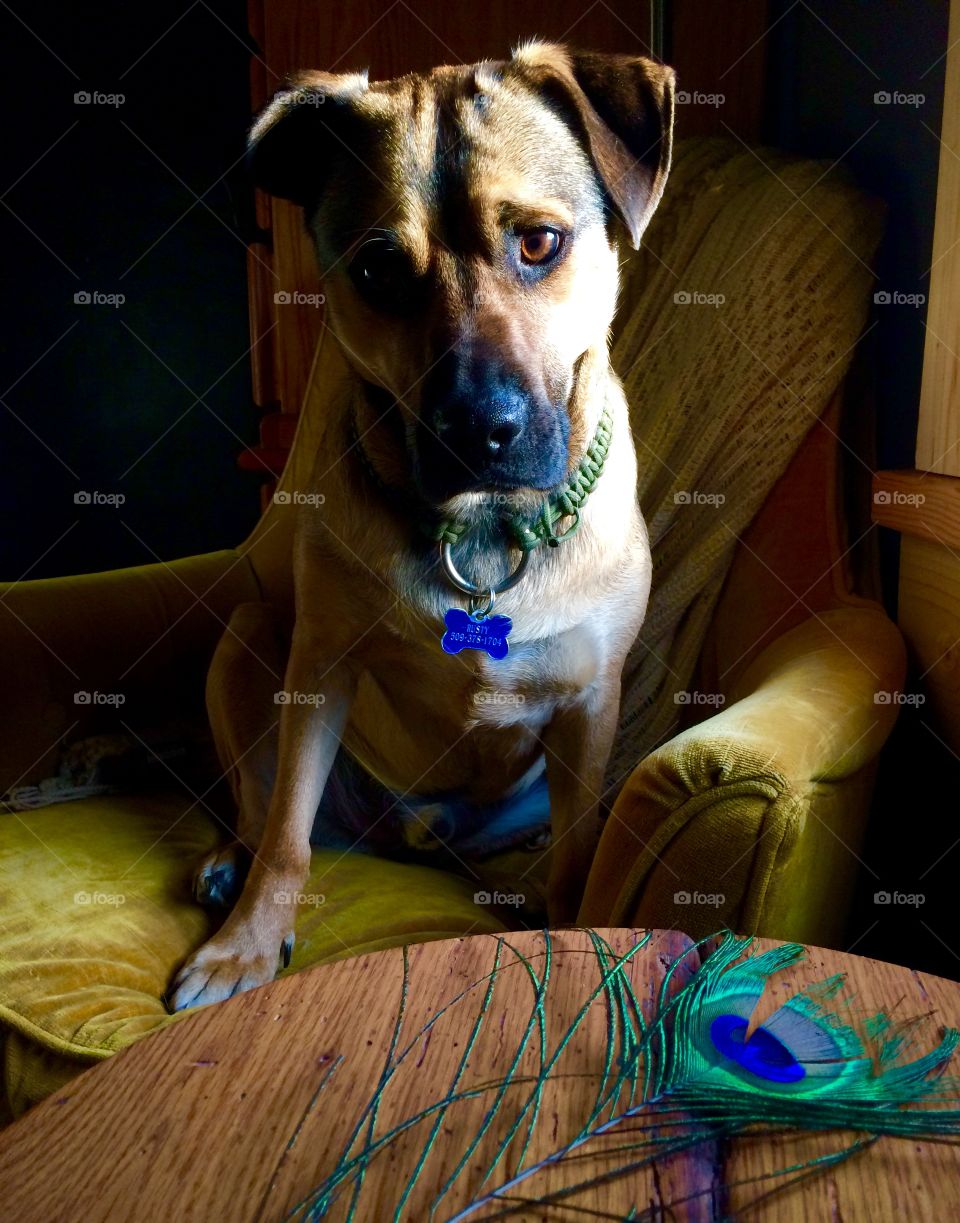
{"type": "Point", "coordinates": [623, 107]}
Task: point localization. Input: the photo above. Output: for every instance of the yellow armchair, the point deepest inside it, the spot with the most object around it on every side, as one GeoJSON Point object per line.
{"type": "Point", "coordinates": [760, 807]}
{"type": "Point", "coordinates": [753, 819]}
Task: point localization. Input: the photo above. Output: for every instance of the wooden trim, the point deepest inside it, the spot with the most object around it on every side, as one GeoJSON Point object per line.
{"type": "Point", "coordinates": [918, 503]}
{"type": "Point", "coordinates": [262, 316]}
{"type": "Point", "coordinates": [938, 436]}
{"type": "Point", "coordinates": [261, 82]}
{"type": "Point", "coordinates": [929, 618]}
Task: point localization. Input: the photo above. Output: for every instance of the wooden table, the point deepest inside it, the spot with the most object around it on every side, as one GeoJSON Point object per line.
{"type": "Point", "coordinates": [237, 1112]}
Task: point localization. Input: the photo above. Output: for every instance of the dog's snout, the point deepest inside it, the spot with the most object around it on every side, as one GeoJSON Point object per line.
{"type": "Point", "coordinates": [483, 426]}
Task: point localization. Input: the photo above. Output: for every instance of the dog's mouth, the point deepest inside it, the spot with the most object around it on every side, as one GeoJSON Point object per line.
{"type": "Point", "coordinates": [506, 446]}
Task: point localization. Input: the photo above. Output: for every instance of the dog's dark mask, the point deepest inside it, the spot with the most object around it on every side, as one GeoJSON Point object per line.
{"type": "Point", "coordinates": [482, 427]}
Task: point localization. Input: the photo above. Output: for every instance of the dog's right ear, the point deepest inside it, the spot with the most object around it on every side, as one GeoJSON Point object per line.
{"type": "Point", "coordinates": [292, 140]}
{"type": "Point", "coordinates": [622, 105]}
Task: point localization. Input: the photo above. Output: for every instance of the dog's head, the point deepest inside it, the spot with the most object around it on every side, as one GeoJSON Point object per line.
{"type": "Point", "coordinates": [465, 224]}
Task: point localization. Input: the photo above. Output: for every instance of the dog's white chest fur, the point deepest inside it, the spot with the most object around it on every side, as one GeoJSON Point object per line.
{"type": "Point", "coordinates": [535, 678]}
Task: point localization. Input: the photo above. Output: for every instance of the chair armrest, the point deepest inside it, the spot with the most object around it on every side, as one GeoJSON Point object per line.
{"type": "Point", "coordinates": [729, 811]}
{"type": "Point", "coordinates": [145, 634]}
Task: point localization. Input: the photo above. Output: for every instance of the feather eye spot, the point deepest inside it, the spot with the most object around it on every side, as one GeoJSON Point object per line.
{"type": "Point", "coordinates": [762, 1055]}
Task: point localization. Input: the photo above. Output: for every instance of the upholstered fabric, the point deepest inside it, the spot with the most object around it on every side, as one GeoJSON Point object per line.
{"type": "Point", "coordinates": [739, 318]}
{"type": "Point", "coordinates": [146, 633]}
{"type": "Point", "coordinates": [97, 913]}
{"type": "Point", "coordinates": [749, 820]}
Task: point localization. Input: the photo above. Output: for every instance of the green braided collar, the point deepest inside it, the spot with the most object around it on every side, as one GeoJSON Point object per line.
{"type": "Point", "coordinates": [528, 533]}
{"type": "Point", "coordinates": [564, 503]}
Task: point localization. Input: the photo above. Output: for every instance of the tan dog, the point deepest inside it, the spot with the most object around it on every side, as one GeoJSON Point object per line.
{"type": "Point", "coordinates": [466, 227]}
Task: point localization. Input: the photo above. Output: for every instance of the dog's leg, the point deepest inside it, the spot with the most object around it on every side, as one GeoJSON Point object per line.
{"type": "Point", "coordinates": [578, 742]}
{"type": "Point", "coordinates": [245, 951]}
{"type": "Point", "coordinates": [245, 674]}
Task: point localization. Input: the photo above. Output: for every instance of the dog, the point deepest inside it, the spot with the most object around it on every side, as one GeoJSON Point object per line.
{"type": "Point", "coordinates": [467, 224]}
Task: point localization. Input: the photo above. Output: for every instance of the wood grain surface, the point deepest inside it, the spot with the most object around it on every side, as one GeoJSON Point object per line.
{"type": "Point", "coordinates": [196, 1122]}
{"type": "Point", "coordinates": [929, 618]}
{"type": "Point", "coordinates": [918, 503]}
{"type": "Point", "coordinates": [938, 434]}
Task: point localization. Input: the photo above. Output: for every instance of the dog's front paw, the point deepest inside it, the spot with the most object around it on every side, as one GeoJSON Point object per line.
{"type": "Point", "coordinates": [218, 880]}
{"type": "Point", "coordinates": [231, 962]}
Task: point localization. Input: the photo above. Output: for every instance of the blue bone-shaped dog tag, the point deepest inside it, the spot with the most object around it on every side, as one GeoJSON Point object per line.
{"type": "Point", "coordinates": [466, 632]}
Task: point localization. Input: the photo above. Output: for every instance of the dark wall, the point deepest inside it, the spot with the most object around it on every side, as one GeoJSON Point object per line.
{"type": "Point", "coordinates": [828, 61]}
{"type": "Point", "coordinates": [101, 198]}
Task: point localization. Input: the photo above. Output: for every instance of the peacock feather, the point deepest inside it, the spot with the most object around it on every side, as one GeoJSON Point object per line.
{"type": "Point", "coordinates": [681, 1071]}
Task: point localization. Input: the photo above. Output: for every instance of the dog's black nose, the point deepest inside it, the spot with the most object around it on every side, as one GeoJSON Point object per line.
{"type": "Point", "coordinates": [482, 427]}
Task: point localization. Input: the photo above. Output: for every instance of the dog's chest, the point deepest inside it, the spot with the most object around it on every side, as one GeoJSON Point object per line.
{"type": "Point", "coordinates": [534, 679]}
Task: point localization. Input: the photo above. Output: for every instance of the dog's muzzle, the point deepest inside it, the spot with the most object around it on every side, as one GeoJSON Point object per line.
{"type": "Point", "coordinates": [481, 428]}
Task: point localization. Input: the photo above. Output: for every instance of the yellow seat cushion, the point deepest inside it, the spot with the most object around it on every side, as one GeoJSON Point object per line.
{"type": "Point", "coordinates": [96, 905]}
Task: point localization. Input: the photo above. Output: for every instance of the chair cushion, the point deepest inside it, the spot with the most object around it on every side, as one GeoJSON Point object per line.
{"type": "Point", "coordinates": [97, 913]}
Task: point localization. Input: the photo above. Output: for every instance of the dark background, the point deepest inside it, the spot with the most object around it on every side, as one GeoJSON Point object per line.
{"type": "Point", "coordinates": [821, 86]}
{"type": "Point", "coordinates": [105, 399]}
{"type": "Point", "coordinates": [97, 398]}
{"type": "Point", "coordinates": [104, 198]}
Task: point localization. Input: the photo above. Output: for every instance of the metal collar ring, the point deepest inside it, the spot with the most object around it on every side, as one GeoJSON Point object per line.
{"type": "Point", "coordinates": [470, 588]}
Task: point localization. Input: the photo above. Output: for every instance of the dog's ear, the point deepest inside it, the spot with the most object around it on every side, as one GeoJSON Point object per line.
{"type": "Point", "coordinates": [622, 107]}
{"type": "Point", "coordinates": [293, 138]}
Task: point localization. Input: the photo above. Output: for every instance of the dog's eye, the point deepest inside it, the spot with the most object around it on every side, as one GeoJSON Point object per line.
{"type": "Point", "coordinates": [380, 272]}
{"type": "Point", "coordinates": [540, 245]}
